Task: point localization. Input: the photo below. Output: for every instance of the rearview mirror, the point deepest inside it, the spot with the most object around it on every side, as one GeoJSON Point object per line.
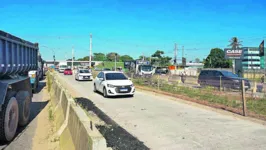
{"type": "Point", "coordinates": [101, 79]}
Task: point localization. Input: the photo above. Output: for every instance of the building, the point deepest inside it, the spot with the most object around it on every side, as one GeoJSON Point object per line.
{"type": "Point", "coordinates": [194, 65]}
{"type": "Point", "coordinates": [251, 58]}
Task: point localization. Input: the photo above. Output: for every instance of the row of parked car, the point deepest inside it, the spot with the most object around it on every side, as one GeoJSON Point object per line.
{"type": "Point", "coordinates": [80, 74]}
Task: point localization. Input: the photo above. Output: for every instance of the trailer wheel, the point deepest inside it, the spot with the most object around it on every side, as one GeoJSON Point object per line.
{"type": "Point", "coordinates": [24, 101]}
{"type": "Point", "coordinates": [9, 117]}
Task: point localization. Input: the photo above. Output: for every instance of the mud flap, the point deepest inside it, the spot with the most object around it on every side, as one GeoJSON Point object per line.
{"type": "Point", "coordinates": [3, 90]}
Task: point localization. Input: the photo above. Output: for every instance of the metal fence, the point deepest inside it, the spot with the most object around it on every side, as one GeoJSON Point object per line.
{"type": "Point", "coordinates": [242, 96]}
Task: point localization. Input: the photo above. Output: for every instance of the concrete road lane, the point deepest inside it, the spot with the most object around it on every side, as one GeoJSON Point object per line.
{"type": "Point", "coordinates": [162, 123]}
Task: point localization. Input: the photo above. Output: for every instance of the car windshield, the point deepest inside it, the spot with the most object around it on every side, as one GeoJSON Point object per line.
{"type": "Point", "coordinates": [115, 76]}
{"type": "Point", "coordinates": [146, 68]}
{"type": "Point", "coordinates": [84, 71]}
{"type": "Point", "coordinates": [62, 66]}
{"type": "Point", "coordinates": [229, 74]}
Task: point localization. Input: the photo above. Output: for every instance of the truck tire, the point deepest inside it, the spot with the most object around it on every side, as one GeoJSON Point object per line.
{"type": "Point", "coordinates": [24, 101]}
{"type": "Point", "coordinates": [9, 118]}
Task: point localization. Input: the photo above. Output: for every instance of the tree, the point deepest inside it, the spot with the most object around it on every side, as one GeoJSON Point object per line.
{"type": "Point", "coordinates": [145, 57]}
{"type": "Point", "coordinates": [235, 43]}
{"type": "Point", "coordinates": [216, 59]}
{"type": "Point", "coordinates": [159, 59]}
{"type": "Point", "coordinates": [111, 56]}
{"type": "Point", "coordinates": [126, 58]}
{"type": "Point", "coordinates": [158, 54]}
{"type": "Point", "coordinates": [197, 60]}
{"type": "Point", "coordinates": [86, 58]}
{"type": "Point", "coordinates": [98, 56]}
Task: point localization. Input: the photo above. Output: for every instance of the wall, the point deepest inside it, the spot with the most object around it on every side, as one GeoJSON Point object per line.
{"type": "Point", "coordinates": [75, 130]}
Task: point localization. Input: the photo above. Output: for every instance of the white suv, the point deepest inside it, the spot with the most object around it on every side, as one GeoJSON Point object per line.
{"type": "Point", "coordinates": [83, 74]}
{"type": "Point", "coordinates": [113, 83]}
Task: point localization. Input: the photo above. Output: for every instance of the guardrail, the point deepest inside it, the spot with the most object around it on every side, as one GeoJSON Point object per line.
{"type": "Point", "coordinates": [75, 130]}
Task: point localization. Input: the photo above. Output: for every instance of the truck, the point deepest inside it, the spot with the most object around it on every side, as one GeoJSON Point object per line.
{"type": "Point", "coordinates": [140, 68]}
{"type": "Point", "coordinates": [20, 71]}
{"type": "Point", "coordinates": [62, 66]}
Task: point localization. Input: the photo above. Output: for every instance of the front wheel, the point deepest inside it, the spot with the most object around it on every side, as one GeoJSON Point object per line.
{"type": "Point", "coordinates": [24, 101]}
{"type": "Point", "coordinates": [9, 118]}
{"type": "Point", "coordinates": [105, 93]}
{"type": "Point", "coordinates": [94, 88]}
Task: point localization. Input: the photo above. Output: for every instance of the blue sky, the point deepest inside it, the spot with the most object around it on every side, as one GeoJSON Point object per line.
{"type": "Point", "coordinates": [134, 27]}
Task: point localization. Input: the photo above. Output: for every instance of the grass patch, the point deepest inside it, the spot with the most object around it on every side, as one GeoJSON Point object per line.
{"type": "Point", "coordinates": [208, 95]}
{"type": "Point", "coordinates": [51, 115]}
{"type": "Point", "coordinates": [110, 65]}
{"type": "Point", "coordinates": [257, 106]}
{"type": "Point", "coordinates": [49, 81]}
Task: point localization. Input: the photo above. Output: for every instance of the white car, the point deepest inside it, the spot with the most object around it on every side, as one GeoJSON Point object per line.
{"type": "Point", "coordinates": [113, 83]}
{"type": "Point", "coordinates": [83, 74]}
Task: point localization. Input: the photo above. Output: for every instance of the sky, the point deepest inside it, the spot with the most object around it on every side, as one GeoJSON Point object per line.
{"type": "Point", "coordinates": [134, 27]}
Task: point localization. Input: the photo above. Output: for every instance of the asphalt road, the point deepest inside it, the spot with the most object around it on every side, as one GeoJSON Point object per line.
{"type": "Point", "coordinates": [23, 139]}
{"type": "Point", "coordinates": [162, 123]}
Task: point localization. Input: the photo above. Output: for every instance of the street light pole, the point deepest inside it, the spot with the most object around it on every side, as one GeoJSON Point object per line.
{"type": "Point", "coordinates": [90, 49]}
{"type": "Point", "coordinates": [115, 61]}
{"type": "Point", "coordinates": [72, 56]}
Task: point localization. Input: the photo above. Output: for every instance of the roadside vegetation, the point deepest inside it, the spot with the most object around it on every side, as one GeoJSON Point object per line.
{"type": "Point", "coordinates": [110, 65]}
{"type": "Point", "coordinates": [207, 96]}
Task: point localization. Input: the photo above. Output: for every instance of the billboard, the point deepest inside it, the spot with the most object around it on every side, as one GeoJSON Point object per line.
{"type": "Point", "coordinates": [261, 48]}
{"type": "Point", "coordinates": [184, 61]}
{"type": "Point", "coordinates": [233, 54]}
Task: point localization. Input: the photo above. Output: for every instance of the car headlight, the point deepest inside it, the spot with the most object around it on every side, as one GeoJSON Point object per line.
{"type": "Point", "coordinates": [132, 85]}
{"type": "Point", "coordinates": [110, 86]}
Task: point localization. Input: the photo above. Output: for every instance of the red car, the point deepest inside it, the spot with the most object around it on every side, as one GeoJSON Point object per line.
{"type": "Point", "coordinates": [67, 72]}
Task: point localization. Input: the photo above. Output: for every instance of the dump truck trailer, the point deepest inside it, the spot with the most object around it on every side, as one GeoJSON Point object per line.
{"type": "Point", "coordinates": [20, 71]}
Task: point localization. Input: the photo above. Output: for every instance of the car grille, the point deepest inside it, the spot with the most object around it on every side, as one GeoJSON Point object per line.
{"type": "Point", "coordinates": [118, 89]}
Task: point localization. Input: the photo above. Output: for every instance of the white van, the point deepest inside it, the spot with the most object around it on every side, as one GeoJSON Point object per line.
{"type": "Point", "coordinates": [62, 66]}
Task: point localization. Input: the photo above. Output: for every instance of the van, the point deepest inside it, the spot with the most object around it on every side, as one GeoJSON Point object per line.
{"type": "Point", "coordinates": [62, 67]}
{"type": "Point", "coordinates": [221, 78]}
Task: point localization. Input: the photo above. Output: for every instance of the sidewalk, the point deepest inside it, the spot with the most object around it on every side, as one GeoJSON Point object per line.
{"type": "Point", "coordinates": [36, 134]}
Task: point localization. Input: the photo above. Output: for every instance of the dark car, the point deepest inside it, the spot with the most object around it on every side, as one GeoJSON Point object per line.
{"type": "Point", "coordinates": [160, 70]}
{"type": "Point", "coordinates": [227, 79]}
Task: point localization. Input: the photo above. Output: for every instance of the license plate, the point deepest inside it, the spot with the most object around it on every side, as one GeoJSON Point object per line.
{"type": "Point", "coordinates": [123, 90]}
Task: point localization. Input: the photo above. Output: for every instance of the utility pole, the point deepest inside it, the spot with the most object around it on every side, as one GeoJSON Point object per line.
{"type": "Point", "coordinates": [115, 60]}
{"type": "Point", "coordinates": [72, 57]}
{"type": "Point", "coordinates": [182, 51]}
{"type": "Point", "coordinates": [175, 61]}
{"type": "Point", "coordinates": [143, 57]}
{"type": "Point", "coordinates": [90, 49]}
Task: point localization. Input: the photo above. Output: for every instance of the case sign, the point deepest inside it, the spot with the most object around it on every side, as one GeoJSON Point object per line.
{"type": "Point", "coordinates": [233, 54]}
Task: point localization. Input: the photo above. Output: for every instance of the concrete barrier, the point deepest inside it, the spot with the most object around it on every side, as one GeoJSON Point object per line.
{"type": "Point", "coordinates": [75, 130]}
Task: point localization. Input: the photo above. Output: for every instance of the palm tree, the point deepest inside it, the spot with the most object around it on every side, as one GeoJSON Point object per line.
{"type": "Point", "coordinates": [235, 43]}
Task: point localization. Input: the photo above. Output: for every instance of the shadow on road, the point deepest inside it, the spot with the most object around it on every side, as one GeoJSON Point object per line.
{"type": "Point", "coordinates": [42, 84]}
{"type": "Point", "coordinates": [116, 97]}
{"type": "Point", "coordinates": [116, 136]}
